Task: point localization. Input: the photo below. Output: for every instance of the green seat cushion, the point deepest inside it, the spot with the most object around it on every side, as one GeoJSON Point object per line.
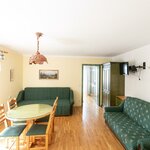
{"type": "Point", "coordinates": [19, 123]}
{"type": "Point", "coordinates": [130, 132]}
{"type": "Point", "coordinates": [115, 117]}
{"type": "Point", "coordinates": [44, 119]}
{"type": "Point", "coordinates": [48, 101]}
{"type": "Point", "coordinates": [12, 131]}
{"type": "Point", "coordinates": [127, 130]}
{"type": "Point", "coordinates": [37, 129]}
{"type": "Point", "coordinates": [131, 125]}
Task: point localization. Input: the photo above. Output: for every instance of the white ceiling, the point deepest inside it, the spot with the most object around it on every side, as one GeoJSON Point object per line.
{"type": "Point", "coordinates": [75, 27]}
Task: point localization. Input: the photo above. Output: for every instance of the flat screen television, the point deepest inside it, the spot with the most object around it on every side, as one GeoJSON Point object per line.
{"type": "Point", "coordinates": [124, 68]}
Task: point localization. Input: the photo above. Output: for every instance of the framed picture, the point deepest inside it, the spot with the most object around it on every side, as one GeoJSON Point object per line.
{"type": "Point", "coordinates": [48, 74]}
{"type": "Point", "coordinates": [11, 75]}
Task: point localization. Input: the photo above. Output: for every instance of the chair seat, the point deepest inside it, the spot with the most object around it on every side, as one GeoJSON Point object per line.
{"type": "Point", "coordinates": [44, 119]}
{"type": "Point", "coordinates": [19, 123]}
{"type": "Point", "coordinates": [12, 131]}
{"type": "Point", "coordinates": [37, 129]}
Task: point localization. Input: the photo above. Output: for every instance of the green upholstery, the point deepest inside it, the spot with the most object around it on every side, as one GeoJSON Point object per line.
{"type": "Point", "coordinates": [139, 111]}
{"type": "Point", "coordinates": [50, 102]}
{"type": "Point", "coordinates": [113, 117]}
{"type": "Point", "coordinates": [12, 131]}
{"type": "Point", "coordinates": [71, 97]}
{"type": "Point", "coordinates": [144, 143]}
{"type": "Point", "coordinates": [20, 96]}
{"type": "Point", "coordinates": [115, 108]}
{"type": "Point", "coordinates": [130, 122]}
{"type": "Point", "coordinates": [37, 129]}
{"type": "Point", "coordinates": [47, 95]}
{"type": "Point", "coordinates": [19, 123]}
{"type": "Point", "coordinates": [44, 119]}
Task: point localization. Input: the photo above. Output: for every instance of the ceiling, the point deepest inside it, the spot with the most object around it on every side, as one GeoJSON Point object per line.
{"type": "Point", "coordinates": [75, 27]}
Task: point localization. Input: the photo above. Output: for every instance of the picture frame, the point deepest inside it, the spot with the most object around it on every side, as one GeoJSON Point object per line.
{"type": "Point", "coordinates": [48, 74]}
{"type": "Point", "coordinates": [11, 75]}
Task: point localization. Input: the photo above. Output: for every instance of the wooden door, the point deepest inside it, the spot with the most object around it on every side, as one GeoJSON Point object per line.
{"type": "Point", "coordinates": [106, 85]}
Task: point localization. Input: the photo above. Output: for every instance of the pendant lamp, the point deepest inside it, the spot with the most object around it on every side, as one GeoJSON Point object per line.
{"type": "Point", "coordinates": [37, 58]}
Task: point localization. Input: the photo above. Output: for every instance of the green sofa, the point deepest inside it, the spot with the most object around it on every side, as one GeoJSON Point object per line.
{"type": "Point", "coordinates": [131, 123]}
{"type": "Point", "coordinates": [47, 95]}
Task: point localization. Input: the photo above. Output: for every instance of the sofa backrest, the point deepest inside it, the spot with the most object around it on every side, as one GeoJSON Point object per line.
{"type": "Point", "coordinates": [138, 110]}
{"type": "Point", "coordinates": [45, 93]}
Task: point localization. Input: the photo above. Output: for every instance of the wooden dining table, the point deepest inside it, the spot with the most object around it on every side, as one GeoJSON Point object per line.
{"type": "Point", "coordinates": [28, 112]}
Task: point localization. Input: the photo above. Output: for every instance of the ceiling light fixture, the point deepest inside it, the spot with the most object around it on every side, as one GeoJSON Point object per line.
{"type": "Point", "coordinates": [37, 58]}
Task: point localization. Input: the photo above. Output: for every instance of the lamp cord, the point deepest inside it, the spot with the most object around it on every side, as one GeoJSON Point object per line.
{"type": "Point", "coordinates": [38, 34]}
{"type": "Point", "coordinates": [37, 43]}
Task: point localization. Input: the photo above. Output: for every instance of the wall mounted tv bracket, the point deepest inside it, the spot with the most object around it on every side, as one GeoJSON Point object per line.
{"type": "Point", "coordinates": [143, 67]}
{"type": "Point", "coordinates": [134, 68]}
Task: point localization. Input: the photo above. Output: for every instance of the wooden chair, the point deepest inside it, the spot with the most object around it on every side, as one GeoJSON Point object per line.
{"type": "Point", "coordinates": [12, 131]}
{"type": "Point", "coordinates": [12, 103]}
{"type": "Point", "coordinates": [42, 130]}
{"type": "Point", "coordinates": [54, 109]}
{"type": "Point", "coordinates": [44, 120]}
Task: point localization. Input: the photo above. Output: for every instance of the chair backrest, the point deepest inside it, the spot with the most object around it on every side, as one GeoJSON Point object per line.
{"type": "Point", "coordinates": [12, 103]}
{"type": "Point", "coordinates": [55, 104]}
{"type": "Point", "coordinates": [2, 115]}
{"type": "Point", "coordinates": [52, 116]}
{"type": "Point", "coordinates": [50, 122]}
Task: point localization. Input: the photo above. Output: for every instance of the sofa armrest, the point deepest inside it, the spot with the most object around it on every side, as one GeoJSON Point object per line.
{"type": "Point", "coordinates": [144, 144]}
{"type": "Point", "coordinates": [20, 96]}
{"type": "Point", "coordinates": [71, 97]}
{"type": "Point", "coordinates": [115, 108]}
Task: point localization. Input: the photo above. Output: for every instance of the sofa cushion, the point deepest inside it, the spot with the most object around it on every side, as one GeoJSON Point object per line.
{"type": "Point", "coordinates": [130, 132]}
{"type": "Point", "coordinates": [131, 125]}
{"type": "Point", "coordinates": [113, 118]}
{"type": "Point", "coordinates": [38, 93]}
{"type": "Point", "coordinates": [127, 130]}
{"type": "Point", "coordinates": [63, 107]}
{"type": "Point", "coordinates": [132, 108]}
{"type": "Point", "coordinates": [50, 102]}
{"type": "Point", "coordinates": [138, 110]}
{"type": "Point", "coordinates": [145, 116]}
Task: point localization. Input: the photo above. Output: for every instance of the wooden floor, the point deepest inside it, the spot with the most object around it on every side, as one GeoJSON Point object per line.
{"type": "Point", "coordinates": [84, 130]}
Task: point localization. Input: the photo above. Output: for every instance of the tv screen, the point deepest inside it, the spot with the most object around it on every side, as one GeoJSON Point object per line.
{"type": "Point", "coordinates": [124, 68]}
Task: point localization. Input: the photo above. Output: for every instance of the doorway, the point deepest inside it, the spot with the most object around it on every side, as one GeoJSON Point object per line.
{"type": "Point", "coordinates": [91, 82]}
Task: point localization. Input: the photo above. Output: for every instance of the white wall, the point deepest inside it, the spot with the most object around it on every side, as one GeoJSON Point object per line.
{"type": "Point", "coordinates": [13, 60]}
{"type": "Point", "coordinates": [134, 86]}
{"type": "Point", "coordinates": [70, 73]}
